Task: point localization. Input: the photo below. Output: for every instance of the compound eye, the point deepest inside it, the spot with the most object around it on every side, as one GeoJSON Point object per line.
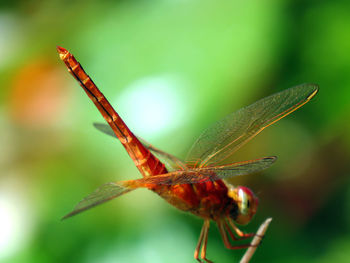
{"type": "Point", "coordinates": [244, 202]}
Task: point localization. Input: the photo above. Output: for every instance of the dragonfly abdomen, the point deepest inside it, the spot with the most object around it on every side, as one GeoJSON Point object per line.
{"type": "Point", "coordinates": [145, 161]}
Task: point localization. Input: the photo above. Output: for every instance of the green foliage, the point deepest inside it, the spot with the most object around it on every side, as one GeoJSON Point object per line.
{"type": "Point", "coordinates": [200, 60]}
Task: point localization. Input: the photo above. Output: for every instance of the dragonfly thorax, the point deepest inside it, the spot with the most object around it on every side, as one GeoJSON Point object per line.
{"type": "Point", "coordinates": [247, 204]}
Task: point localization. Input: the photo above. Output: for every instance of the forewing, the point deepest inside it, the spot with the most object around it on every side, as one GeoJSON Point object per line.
{"type": "Point", "coordinates": [243, 168]}
{"type": "Point", "coordinates": [226, 136]}
{"type": "Point", "coordinates": [170, 161]}
{"type": "Point", "coordinates": [102, 194]}
{"type": "Point", "coordinates": [201, 175]}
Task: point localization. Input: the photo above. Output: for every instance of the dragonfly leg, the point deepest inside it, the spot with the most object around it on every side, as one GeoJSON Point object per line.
{"type": "Point", "coordinates": [225, 239]}
{"type": "Point", "coordinates": [226, 226]}
{"type": "Point", "coordinates": [205, 240]}
{"type": "Point", "coordinates": [202, 242]}
{"type": "Point", "coordinates": [240, 233]}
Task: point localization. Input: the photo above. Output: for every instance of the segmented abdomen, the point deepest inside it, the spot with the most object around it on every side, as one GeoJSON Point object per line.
{"type": "Point", "coordinates": [145, 161]}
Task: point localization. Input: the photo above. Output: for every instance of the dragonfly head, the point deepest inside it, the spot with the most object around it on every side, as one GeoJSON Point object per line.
{"type": "Point", "coordinates": [246, 204]}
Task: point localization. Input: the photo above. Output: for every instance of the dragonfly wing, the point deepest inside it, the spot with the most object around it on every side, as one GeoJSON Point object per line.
{"type": "Point", "coordinates": [105, 129]}
{"type": "Point", "coordinates": [171, 162]}
{"type": "Point", "coordinates": [242, 168]}
{"type": "Point", "coordinates": [102, 194]}
{"type": "Point", "coordinates": [226, 136]}
{"type": "Point", "coordinates": [201, 175]}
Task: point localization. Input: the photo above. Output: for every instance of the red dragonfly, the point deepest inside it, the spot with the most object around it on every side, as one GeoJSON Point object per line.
{"type": "Point", "coordinates": [196, 185]}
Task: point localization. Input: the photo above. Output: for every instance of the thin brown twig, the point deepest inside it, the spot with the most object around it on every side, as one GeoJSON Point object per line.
{"type": "Point", "coordinates": [256, 241]}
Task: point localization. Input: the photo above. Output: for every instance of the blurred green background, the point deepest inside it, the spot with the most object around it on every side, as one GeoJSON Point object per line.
{"type": "Point", "coordinates": [171, 68]}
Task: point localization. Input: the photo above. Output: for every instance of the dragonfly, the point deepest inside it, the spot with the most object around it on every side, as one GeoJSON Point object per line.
{"type": "Point", "coordinates": [197, 184]}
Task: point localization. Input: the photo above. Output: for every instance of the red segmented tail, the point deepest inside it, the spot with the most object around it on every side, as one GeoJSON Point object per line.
{"type": "Point", "coordinates": [144, 160]}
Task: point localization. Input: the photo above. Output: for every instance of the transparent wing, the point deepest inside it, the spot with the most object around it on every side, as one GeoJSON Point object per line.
{"type": "Point", "coordinates": [105, 129]}
{"type": "Point", "coordinates": [112, 190]}
{"type": "Point", "coordinates": [102, 194]}
{"type": "Point", "coordinates": [170, 161]}
{"type": "Point", "coordinates": [226, 136]}
{"type": "Point", "coordinates": [200, 175]}
{"type": "Point", "coordinates": [242, 168]}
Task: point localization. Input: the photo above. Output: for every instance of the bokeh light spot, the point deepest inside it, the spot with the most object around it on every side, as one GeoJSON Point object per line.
{"type": "Point", "coordinates": [152, 105]}
{"type": "Point", "coordinates": [15, 224]}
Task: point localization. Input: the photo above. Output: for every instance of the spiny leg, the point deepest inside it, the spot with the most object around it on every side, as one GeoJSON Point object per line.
{"type": "Point", "coordinates": [226, 240]}
{"type": "Point", "coordinates": [205, 240]}
{"type": "Point", "coordinates": [240, 233]}
{"type": "Point", "coordinates": [227, 227]}
{"type": "Point", "coordinates": [200, 240]}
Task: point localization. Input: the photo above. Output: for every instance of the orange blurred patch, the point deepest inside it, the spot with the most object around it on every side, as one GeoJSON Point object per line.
{"type": "Point", "coordinates": [38, 95]}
